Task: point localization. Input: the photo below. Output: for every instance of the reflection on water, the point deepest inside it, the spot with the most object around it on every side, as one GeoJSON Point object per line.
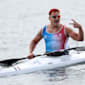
{"type": "Point", "coordinates": [54, 75]}
{"type": "Point", "coordinates": [62, 75]}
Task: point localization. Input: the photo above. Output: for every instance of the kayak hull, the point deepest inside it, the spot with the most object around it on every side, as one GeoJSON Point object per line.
{"type": "Point", "coordinates": [43, 63]}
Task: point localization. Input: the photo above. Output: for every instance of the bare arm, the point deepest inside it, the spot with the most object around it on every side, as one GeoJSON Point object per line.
{"type": "Point", "coordinates": [34, 42]}
{"type": "Point", "coordinates": [76, 36]}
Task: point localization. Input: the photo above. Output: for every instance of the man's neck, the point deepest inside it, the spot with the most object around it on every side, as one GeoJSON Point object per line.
{"type": "Point", "coordinates": [57, 26]}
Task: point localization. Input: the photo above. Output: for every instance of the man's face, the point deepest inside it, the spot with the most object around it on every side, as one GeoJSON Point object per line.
{"type": "Point", "coordinates": [54, 18]}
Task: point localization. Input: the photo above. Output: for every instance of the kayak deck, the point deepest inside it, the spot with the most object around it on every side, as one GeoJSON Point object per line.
{"type": "Point", "coordinates": [43, 63]}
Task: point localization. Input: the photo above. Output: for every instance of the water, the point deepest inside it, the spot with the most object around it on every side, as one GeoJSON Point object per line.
{"type": "Point", "coordinates": [20, 20]}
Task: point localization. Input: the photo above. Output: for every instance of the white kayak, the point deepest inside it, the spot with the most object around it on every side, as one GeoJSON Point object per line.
{"type": "Point", "coordinates": [43, 63]}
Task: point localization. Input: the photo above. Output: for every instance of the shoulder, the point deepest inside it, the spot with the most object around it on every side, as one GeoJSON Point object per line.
{"type": "Point", "coordinates": [40, 31]}
{"type": "Point", "coordinates": [38, 36]}
{"type": "Point", "coordinates": [70, 32]}
{"type": "Point", "coordinates": [68, 29]}
{"type": "Point", "coordinates": [43, 29]}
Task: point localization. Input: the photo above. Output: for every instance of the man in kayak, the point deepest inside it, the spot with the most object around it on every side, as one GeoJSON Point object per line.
{"type": "Point", "coordinates": [55, 34]}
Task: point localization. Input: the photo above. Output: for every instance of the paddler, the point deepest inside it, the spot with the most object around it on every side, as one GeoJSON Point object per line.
{"type": "Point", "coordinates": [56, 34]}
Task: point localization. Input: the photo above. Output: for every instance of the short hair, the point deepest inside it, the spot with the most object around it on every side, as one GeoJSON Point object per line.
{"type": "Point", "coordinates": [54, 10]}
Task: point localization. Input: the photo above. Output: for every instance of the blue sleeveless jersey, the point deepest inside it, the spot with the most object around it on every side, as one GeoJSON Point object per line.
{"type": "Point", "coordinates": [54, 41]}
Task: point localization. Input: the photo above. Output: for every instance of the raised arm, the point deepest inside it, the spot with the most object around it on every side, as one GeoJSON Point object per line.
{"type": "Point", "coordinates": [76, 36]}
